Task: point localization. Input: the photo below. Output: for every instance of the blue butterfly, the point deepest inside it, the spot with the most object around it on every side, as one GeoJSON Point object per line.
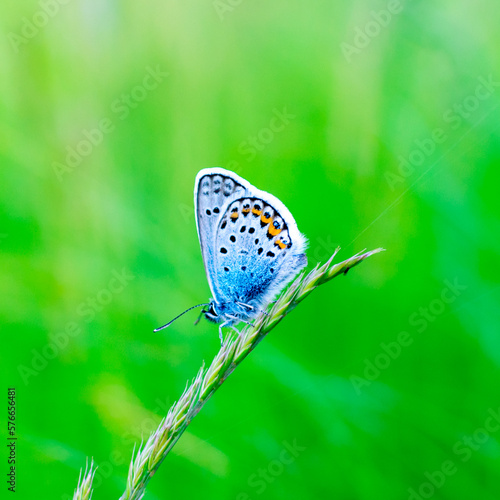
{"type": "Point", "coordinates": [250, 244]}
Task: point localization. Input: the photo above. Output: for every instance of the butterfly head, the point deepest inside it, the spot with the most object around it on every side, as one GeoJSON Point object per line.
{"type": "Point", "coordinates": [212, 313]}
{"type": "Point", "coordinates": [228, 313]}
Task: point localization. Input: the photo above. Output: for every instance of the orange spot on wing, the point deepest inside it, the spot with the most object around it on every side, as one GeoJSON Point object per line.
{"type": "Point", "coordinates": [266, 220]}
{"type": "Point", "coordinates": [256, 212]}
{"type": "Point", "coordinates": [274, 231]}
{"type": "Point", "coordinates": [279, 243]}
{"type": "Point", "coordinates": [234, 215]}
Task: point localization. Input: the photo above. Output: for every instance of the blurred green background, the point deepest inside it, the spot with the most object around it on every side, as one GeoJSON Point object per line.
{"type": "Point", "coordinates": [390, 137]}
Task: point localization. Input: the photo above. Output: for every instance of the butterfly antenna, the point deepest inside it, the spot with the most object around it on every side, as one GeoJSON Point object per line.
{"type": "Point", "coordinates": [177, 317]}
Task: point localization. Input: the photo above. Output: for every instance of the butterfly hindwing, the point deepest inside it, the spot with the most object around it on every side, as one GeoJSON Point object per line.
{"type": "Point", "coordinates": [256, 251]}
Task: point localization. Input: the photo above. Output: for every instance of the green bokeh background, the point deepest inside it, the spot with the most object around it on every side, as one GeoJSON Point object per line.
{"type": "Point", "coordinates": [337, 166]}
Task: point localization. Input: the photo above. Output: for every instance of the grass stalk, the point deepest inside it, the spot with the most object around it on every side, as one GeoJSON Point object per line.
{"type": "Point", "coordinates": [149, 456]}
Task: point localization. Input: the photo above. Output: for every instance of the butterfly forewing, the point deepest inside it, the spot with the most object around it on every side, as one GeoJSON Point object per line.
{"type": "Point", "coordinates": [214, 191]}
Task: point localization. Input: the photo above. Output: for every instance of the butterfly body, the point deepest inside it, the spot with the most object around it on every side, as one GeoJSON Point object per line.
{"type": "Point", "coordinates": [250, 243]}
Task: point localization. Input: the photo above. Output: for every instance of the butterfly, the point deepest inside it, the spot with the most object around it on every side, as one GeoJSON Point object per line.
{"type": "Point", "coordinates": [250, 244]}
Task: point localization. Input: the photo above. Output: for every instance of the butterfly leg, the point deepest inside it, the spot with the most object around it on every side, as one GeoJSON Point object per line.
{"type": "Point", "coordinates": [248, 306]}
{"type": "Point", "coordinates": [251, 308]}
{"type": "Point", "coordinates": [265, 313]}
{"type": "Point", "coordinates": [236, 330]}
{"type": "Point", "coordinates": [220, 333]}
{"type": "Point", "coordinates": [238, 320]}
{"type": "Point", "coordinates": [222, 325]}
{"type": "Point", "coordinates": [226, 323]}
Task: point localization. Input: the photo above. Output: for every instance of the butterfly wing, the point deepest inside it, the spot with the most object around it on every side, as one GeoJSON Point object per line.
{"type": "Point", "coordinates": [214, 189]}
{"type": "Point", "coordinates": [258, 249]}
